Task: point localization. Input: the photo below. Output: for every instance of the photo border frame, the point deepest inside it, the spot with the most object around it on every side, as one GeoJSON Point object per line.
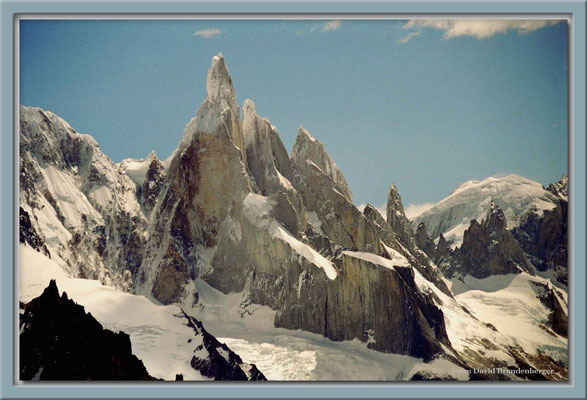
{"type": "Point", "coordinates": [577, 146]}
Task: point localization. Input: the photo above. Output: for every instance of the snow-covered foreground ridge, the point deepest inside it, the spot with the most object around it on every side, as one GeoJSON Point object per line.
{"type": "Point", "coordinates": [266, 248]}
{"type": "Point", "coordinates": [161, 338]}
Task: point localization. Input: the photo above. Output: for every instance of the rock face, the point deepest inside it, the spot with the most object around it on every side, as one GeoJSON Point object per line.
{"type": "Point", "coordinates": [424, 242]}
{"type": "Point", "coordinates": [268, 165]}
{"type": "Point", "coordinates": [337, 217]}
{"type": "Point", "coordinates": [553, 299]}
{"type": "Point", "coordinates": [544, 237]}
{"type": "Point", "coordinates": [416, 257]}
{"type": "Point", "coordinates": [83, 205]}
{"type": "Point", "coordinates": [488, 249]}
{"type": "Point", "coordinates": [215, 360]}
{"type": "Point", "coordinates": [561, 188]}
{"type": "Point", "coordinates": [396, 218]}
{"type": "Point", "coordinates": [59, 341]}
{"type": "Point", "coordinates": [207, 183]}
{"type": "Point", "coordinates": [29, 235]}
{"type": "Point", "coordinates": [308, 149]}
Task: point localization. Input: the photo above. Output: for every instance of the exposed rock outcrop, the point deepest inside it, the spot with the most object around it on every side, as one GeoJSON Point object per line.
{"type": "Point", "coordinates": [554, 301]}
{"type": "Point", "coordinates": [29, 235]}
{"type": "Point", "coordinates": [308, 149]}
{"type": "Point", "coordinates": [416, 258]}
{"type": "Point", "coordinates": [269, 166]}
{"type": "Point", "coordinates": [424, 242]}
{"type": "Point", "coordinates": [215, 360]}
{"type": "Point", "coordinates": [151, 187]}
{"type": "Point", "coordinates": [396, 218]}
{"type": "Point", "coordinates": [488, 249]}
{"type": "Point", "coordinates": [561, 188]}
{"type": "Point", "coordinates": [544, 238]}
{"type": "Point", "coordinates": [59, 341]}
{"type": "Point", "coordinates": [339, 219]}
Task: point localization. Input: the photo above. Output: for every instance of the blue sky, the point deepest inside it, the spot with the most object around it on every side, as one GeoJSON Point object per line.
{"type": "Point", "coordinates": [426, 105]}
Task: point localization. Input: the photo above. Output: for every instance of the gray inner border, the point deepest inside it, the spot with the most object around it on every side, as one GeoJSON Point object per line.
{"type": "Point", "coordinates": [338, 389]}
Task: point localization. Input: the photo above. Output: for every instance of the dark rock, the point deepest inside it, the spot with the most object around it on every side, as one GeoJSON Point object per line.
{"type": "Point", "coordinates": [424, 242]}
{"type": "Point", "coordinates": [488, 249]}
{"type": "Point", "coordinates": [59, 341]}
{"type": "Point", "coordinates": [29, 235]}
{"type": "Point", "coordinates": [554, 301]}
{"type": "Point", "coordinates": [215, 360]}
{"type": "Point", "coordinates": [396, 218]}
{"type": "Point", "coordinates": [545, 239]}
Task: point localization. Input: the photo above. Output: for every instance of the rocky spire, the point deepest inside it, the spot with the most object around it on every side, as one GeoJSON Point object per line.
{"type": "Point", "coordinates": [218, 82]}
{"type": "Point", "coordinates": [490, 249]}
{"type": "Point", "coordinates": [396, 218]}
{"type": "Point", "coordinates": [560, 188]}
{"type": "Point", "coordinates": [307, 148]}
{"type": "Point", "coordinates": [495, 220]}
{"type": "Point", "coordinates": [442, 248]}
{"type": "Point", "coordinates": [423, 240]}
{"type": "Point", "coordinates": [219, 108]}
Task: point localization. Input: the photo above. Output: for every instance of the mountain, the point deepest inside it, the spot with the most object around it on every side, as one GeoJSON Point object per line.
{"type": "Point", "coordinates": [265, 247]}
{"type": "Point", "coordinates": [534, 223]}
{"type": "Point", "coordinates": [81, 206]}
{"type": "Point", "coordinates": [514, 194]}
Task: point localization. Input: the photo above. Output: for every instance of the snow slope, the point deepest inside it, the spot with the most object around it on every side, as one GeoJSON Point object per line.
{"type": "Point", "coordinates": [512, 193]}
{"type": "Point", "coordinates": [159, 334]}
{"type": "Point", "coordinates": [508, 303]}
{"type": "Point", "coordinates": [160, 337]}
{"type": "Point", "coordinates": [136, 169]}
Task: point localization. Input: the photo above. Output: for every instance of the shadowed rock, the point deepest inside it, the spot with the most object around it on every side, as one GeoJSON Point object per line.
{"type": "Point", "coordinates": [59, 341]}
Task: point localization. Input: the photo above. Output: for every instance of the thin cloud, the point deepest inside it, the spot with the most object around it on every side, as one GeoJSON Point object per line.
{"type": "Point", "coordinates": [331, 26]}
{"type": "Point", "coordinates": [480, 29]}
{"type": "Point", "coordinates": [328, 26]}
{"type": "Point", "coordinates": [408, 37]}
{"type": "Point", "coordinates": [414, 210]}
{"type": "Point", "coordinates": [208, 33]}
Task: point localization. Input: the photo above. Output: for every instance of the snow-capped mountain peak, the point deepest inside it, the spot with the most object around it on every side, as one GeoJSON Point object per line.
{"type": "Point", "coordinates": [514, 194]}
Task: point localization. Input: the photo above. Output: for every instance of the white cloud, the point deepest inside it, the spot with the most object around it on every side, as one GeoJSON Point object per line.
{"type": "Point", "coordinates": [327, 26]}
{"type": "Point", "coordinates": [413, 210]}
{"type": "Point", "coordinates": [208, 33]}
{"type": "Point", "coordinates": [480, 29]}
{"type": "Point", "coordinates": [331, 26]}
{"type": "Point", "coordinates": [408, 37]}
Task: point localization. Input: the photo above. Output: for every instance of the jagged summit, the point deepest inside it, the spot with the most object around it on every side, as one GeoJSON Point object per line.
{"type": "Point", "coordinates": [219, 112]}
{"type": "Point", "coordinates": [309, 149]}
{"type": "Point", "coordinates": [396, 217]}
{"type": "Point", "coordinates": [495, 220]}
{"type": "Point", "coordinates": [560, 188]}
{"type": "Point", "coordinates": [219, 82]}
